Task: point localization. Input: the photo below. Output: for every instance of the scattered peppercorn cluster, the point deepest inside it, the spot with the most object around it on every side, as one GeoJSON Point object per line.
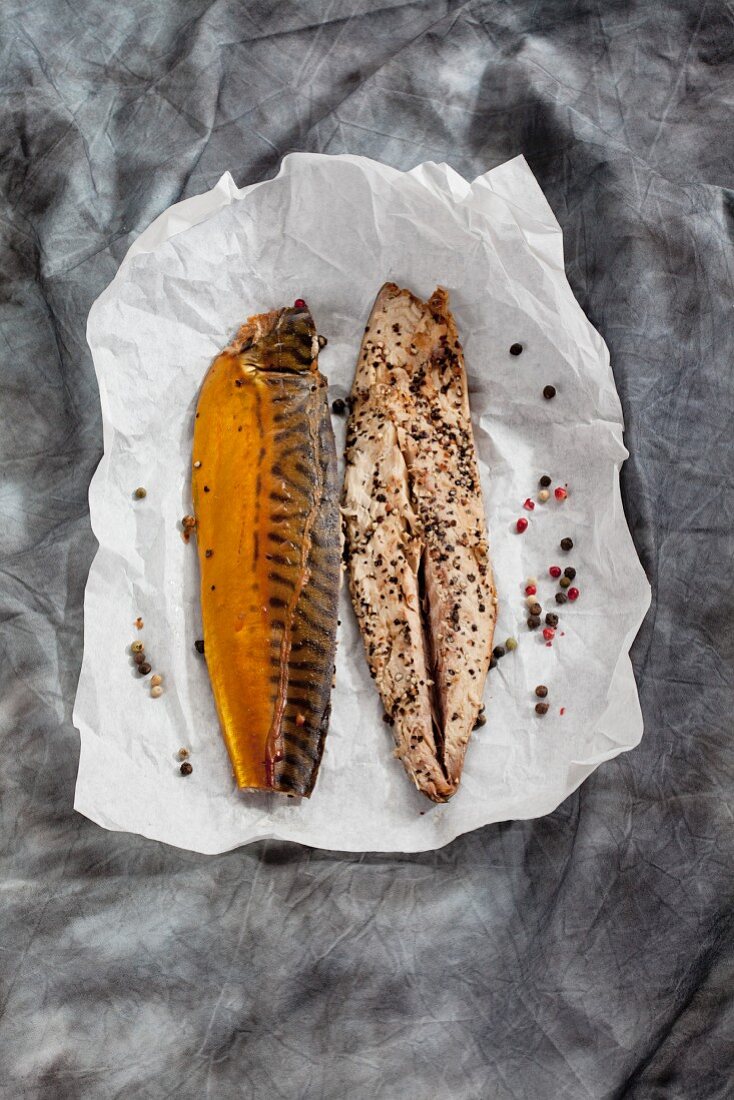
{"type": "Point", "coordinates": [543, 496]}
{"type": "Point", "coordinates": [144, 667]}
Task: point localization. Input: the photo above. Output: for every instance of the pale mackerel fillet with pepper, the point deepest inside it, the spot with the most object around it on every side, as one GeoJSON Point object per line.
{"type": "Point", "coordinates": [416, 536]}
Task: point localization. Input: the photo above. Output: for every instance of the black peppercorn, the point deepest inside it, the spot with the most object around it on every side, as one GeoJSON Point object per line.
{"type": "Point", "coordinates": [338, 406]}
{"type": "Point", "coordinates": [144, 668]}
{"type": "Point", "coordinates": [139, 658]}
{"type": "Point", "coordinates": [541, 691]}
{"type": "Point", "coordinates": [388, 719]}
{"type": "Point", "coordinates": [534, 622]}
{"type": "Point", "coordinates": [481, 719]}
{"type": "Point", "coordinates": [545, 481]}
{"type": "Point", "coordinates": [566, 544]}
{"type": "Point", "coordinates": [541, 708]}
{"type": "Point", "coordinates": [498, 651]}
{"type": "Point", "coordinates": [516, 349]}
{"type": "Point", "coordinates": [535, 609]}
{"type": "Point", "coordinates": [199, 645]}
{"type": "Point", "coordinates": [549, 392]}
{"type": "Point", "coordinates": [186, 768]}
{"type": "Point", "coordinates": [551, 619]}
{"type": "Point", "coordinates": [322, 341]}
{"type": "Point", "coordinates": [493, 662]}
{"type": "Point", "coordinates": [561, 597]}
{"type": "Point", "coordinates": [569, 572]}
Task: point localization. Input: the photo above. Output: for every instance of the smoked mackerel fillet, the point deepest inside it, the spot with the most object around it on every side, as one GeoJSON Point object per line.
{"type": "Point", "coordinates": [267, 526]}
{"type": "Point", "coordinates": [416, 537]}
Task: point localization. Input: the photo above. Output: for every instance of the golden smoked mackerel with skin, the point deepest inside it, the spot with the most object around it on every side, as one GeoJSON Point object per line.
{"type": "Point", "coordinates": [416, 536]}
{"type": "Point", "coordinates": [267, 526]}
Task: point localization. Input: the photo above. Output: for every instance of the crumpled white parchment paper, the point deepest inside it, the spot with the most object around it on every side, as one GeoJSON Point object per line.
{"type": "Point", "coordinates": [332, 229]}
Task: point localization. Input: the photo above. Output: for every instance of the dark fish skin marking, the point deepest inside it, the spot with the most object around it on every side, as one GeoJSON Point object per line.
{"type": "Point", "coordinates": [280, 579]}
{"type": "Point", "coordinates": [312, 623]}
{"type": "Point", "coordinates": [255, 546]}
{"type": "Point", "coordinates": [303, 469]}
{"type": "Point", "coordinates": [273, 536]}
{"type": "Point", "coordinates": [304, 704]}
{"type": "Point", "coordinates": [279, 559]}
{"type": "Point", "coordinates": [296, 762]}
{"type": "Point", "coordinates": [276, 601]}
{"type": "Point", "coordinates": [280, 497]}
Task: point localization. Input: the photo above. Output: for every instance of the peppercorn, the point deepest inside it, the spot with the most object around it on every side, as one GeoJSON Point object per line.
{"type": "Point", "coordinates": [555, 571]}
{"type": "Point", "coordinates": [531, 600]}
{"type": "Point", "coordinates": [388, 719]}
{"type": "Point", "coordinates": [338, 406]}
{"type": "Point", "coordinates": [569, 572]}
{"type": "Point", "coordinates": [531, 589]}
{"type": "Point", "coordinates": [561, 597]}
{"type": "Point", "coordinates": [534, 622]}
{"type": "Point", "coordinates": [549, 633]}
{"type": "Point", "coordinates": [528, 504]}
{"type": "Point", "coordinates": [188, 522]}
{"type": "Point", "coordinates": [137, 647]}
{"type": "Point", "coordinates": [544, 481]}
{"type": "Point", "coordinates": [521, 525]}
{"type": "Point", "coordinates": [157, 680]}
{"type": "Point", "coordinates": [531, 580]}
{"type": "Point", "coordinates": [199, 645]}
{"type": "Point", "coordinates": [516, 349]}
{"type": "Point", "coordinates": [138, 624]}
{"type": "Point", "coordinates": [535, 609]}
{"type": "Point", "coordinates": [551, 619]}
{"type": "Point", "coordinates": [144, 669]}
{"type": "Point", "coordinates": [541, 691]}
{"type": "Point", "coordinates": [140, 493]}
{"type": "Point", "coordinates": [322, 341]}
{"type": "Point", "coordinates": [197, 464]}
{"type": "Point", "coordinates": [573, 593]}
{"type": "Point", "coordinates": [186, 768]}
{"type": "Point", "coordinates": [511, 644]}
{"type": "Point", "coordinates": [156, 691]}
{"type": "Point", "coordinates": [183, 753]}
{"type": "Point", "coordinates": [541, 708]}
{"type": "Point", "coordinates": [139, 658]}
{"type": "Point", "coordinates": [566, 544]}
{"type": "Point", "coordinates": [564, 582]}
{"type": "Point", "coordinates": [549, 392]}
{"type": "Point", "coordinates": [481, 719]}
{"type": "Point", "coordinates": [543, 496]}
{"type": "Point", "coordinates": [498, 651]}
{"type": "Point", "coordinates": [560, 493]}
{"type": "Point", "coordinates": [493, 662]}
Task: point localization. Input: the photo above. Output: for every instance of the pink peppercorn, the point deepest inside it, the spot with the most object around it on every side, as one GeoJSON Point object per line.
{"type": "Point", "coordinates": [573, 593]}
{"type": "Point", "coordinates": [521, 525]}
{"type": "Point", "coordinates": [299, 303]}
{"type": "Point", "coordinates": [549, 633]}
{"type": "Point", "coordinates": [530, 590]}
{"type": "Point", "coordinates": [529, 504]}
{"type": "Point", "coordinates": [555, 571]}
{"type": "Point", "coordinates": [560, 493]}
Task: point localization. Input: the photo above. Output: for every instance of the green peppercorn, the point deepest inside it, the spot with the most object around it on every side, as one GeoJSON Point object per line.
{"type": "Point", "coordinates": [569, 572]}
{"type": "Point", "coordinates": [566, 544]}
{"type": "Point", "coordinates": [541, 691]}
{"type": "Point", "coordinates": [140, 493]}
{"type": "Point", "coordinates": [551, 619]}
{"type": "Point", "coordinates": [541, 708]}
{"type": "Point", "coordinates": [498, 652]}
{"type": "Point", "coordinates": [564, 582]}
{"type": "Point", "coordinates": [511, 644]}
{"type": "Point", "coordinates": [137, 647]}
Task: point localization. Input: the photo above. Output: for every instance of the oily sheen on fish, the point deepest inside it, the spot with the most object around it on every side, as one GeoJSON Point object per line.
{"type": "Point", "coordinates": [415, 534]}
{"type": "Point", "coordinates": [265, 496]}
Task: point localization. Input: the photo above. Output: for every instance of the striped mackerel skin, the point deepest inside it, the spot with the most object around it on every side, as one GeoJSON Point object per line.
{"type": "Point", "coordinates": [266, 504]}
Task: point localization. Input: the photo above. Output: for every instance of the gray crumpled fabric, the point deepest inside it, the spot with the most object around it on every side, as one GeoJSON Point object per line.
{"type": "Point", "coordinates": [586, 955]}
